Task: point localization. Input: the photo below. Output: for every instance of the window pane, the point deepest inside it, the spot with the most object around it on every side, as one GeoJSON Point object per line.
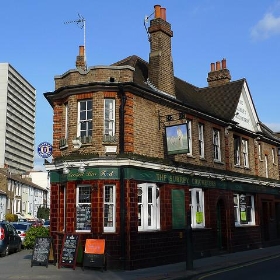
{"type": "Point", "coordinates": [139, 215]}
{"type": "Point", "coordinates": [149, 215]}
{"type": "Point", "coordinates": [109, 194]}
{"type": "Point", "coordinates": [150, 195]}
{"type": "Point", "coordinates": [108, 215]}
{"type": "Point", "coordinates": [84, 195]}
{"type": "Point", "coordinates": [83, 216]}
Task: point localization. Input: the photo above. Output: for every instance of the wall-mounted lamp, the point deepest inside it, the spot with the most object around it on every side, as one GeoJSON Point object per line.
{"type": "Point", "coordinates": [65, 170]}
{"type": "Point", "coordinates": [81, 168]}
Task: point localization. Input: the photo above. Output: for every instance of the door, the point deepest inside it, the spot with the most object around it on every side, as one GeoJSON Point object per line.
{"type": "Point", "coordinates": [265, 221]}
{"type": "Point", "coordinates": [277, 217]}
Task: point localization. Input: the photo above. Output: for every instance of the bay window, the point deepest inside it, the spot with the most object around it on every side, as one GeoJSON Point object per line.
{"type": "Point", "coordinates": [109, 117]}
{"type": "Point", "coordinates": [85, 118]}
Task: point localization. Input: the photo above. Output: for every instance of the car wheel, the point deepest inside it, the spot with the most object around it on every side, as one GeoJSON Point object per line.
{"type": "Point", "coordinates": [6, 252]}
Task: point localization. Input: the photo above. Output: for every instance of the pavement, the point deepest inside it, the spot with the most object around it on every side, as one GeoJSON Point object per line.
{"type": "Point", "coordinates": [18, 266]}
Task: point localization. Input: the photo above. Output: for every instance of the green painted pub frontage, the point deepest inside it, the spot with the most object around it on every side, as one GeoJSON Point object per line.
{"type": "Point", "coordinates": [141, 211]}
{"type": "Point", "coordinates": [163, 170]}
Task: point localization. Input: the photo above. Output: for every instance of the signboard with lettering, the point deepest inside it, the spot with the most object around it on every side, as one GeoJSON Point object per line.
{"type": "Point", "coordinates": [69, 250]}
{"type": "Point", "coordinates": [41, 251]}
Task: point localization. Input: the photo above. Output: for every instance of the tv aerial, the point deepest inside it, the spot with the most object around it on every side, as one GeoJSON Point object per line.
{"type": "Point", "coordinates": [81, 23]}
{"type": "Point", "coordinates": [146, 19]}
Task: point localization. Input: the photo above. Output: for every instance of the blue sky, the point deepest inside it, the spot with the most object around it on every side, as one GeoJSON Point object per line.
{"type": "Point", "coordinates": [37, 43]}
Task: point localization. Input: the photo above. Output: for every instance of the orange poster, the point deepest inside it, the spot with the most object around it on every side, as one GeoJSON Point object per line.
{"type": "Point", "coordinates": [95, 246]}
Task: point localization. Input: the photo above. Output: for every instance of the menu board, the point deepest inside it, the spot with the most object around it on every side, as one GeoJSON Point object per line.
{"type": "Point", "coordinates": [83, 215]}
{"type": "Point", "coordinates": [69, 250]}
{"type": "Point", "coordinates": [41, 251]}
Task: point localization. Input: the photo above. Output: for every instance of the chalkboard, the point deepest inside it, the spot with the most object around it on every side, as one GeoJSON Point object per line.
{"type": "Point", "coordinates": [69, 250]}
{"type": "Point", "coordinates": [41, 251]}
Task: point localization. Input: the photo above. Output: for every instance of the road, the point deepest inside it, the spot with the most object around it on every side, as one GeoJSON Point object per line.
{"type": "Point", "coordinates": [259, 270]}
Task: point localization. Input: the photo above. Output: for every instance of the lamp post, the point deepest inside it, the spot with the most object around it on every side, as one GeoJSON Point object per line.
{"type": "Point", "coordinates": [189, 243]}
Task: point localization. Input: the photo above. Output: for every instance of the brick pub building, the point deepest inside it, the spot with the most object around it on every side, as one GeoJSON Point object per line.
{"type": "Point", "coordinates": [136, 149]}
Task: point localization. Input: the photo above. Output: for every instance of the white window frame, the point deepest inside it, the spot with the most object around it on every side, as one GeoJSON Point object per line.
{"type": "Point", "coordinates": [266, 166]}
{"type": "Point", "coordinates": [201, 140]}
{"type": "Point", "coordinates": [273, 153]}
{"type": "Point", "coordinates": [109, 201]}
{"type": "Point", "coordinates": [238, 209]}
{"type": "Point", "coordinates": [87, 120]}
{"type": "Point", "coordinates": [189, 135]}
{"type": "Point", "coordinates": [87, 206]}
{"type": "Point", "coordinates": [245, 152]}
{"type": "Point", "coordinates": [148, 207]}
{"type": "Point", "coordinates": [66, 120]}
{"type": "Point", "coordinates": [260, 151]}
{"type": "Point", "coordinates": [236, 145]}
{"type": "Point", "coordinates": [109, 116]}
{"type": "Point", "coordinates": [197, 206]}
{"type": "Point", "coordinates": [216, 145]}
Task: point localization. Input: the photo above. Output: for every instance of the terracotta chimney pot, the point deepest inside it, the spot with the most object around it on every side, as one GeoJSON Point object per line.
{"type": "Point", "coordinates": [157, 11]}
{"type": "Point", "coordinates": [163, 13]}
{"type": "Point", "coordinates": [81, 51]}
{"type": "Point", "coordinates": [224, 63]}
{"type": "Point", "coordinates": [212, 66]}
{"type": "Point", "coordinates": [218, 65]}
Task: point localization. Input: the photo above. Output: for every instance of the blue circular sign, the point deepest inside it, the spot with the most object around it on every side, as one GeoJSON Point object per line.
{"type": "Point", "coordinates": [45, 149]}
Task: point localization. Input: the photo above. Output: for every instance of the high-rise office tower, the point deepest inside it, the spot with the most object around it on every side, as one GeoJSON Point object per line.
{"type": "Point", "coordinates": [17, 120]}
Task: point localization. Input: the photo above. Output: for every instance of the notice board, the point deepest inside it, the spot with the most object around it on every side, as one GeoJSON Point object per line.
{"type": "Point", "coordinates": [95, 246]}
{"type": "Point", "coordinates": [178, 209]}
{"type": "Point", "coordinates": [69, 250]}
{"type": "Point", "coordinates": [41, 251]}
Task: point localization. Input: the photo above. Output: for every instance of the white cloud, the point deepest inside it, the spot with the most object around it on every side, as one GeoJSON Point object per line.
{"type": "Point", "coordinates": [268, 26]}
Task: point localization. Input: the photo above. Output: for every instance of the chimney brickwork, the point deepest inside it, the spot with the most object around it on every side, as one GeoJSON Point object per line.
{"type": "Point", "coordinates": [161, 73]}
{"type": "Point", "coordinates": [218, 75]}
{"type": "Point", "coordinates": [80, 61]}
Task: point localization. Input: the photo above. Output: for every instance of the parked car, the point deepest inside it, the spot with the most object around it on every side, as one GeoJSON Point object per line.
{"type": "Point", "coordinates": [47, 224]}
{"type": "Point", "coordinates": [10, 241]}
{"type": "Point", "coordinates": [22, 228]}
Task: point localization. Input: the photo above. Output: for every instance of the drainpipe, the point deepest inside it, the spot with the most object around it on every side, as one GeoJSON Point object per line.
{"type": "Point", "coordinates": [122, 184]}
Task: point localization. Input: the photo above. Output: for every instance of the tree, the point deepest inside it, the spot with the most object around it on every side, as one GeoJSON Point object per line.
{"type": "Point", "coordinates": [43, 213]}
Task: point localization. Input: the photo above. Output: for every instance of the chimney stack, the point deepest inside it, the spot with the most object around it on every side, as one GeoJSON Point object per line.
{"type": "Point", "coordinates": [161, 73]}
{"type": "Point", "coordinates": [217, 75]}
{"type": "Point", "coordinates": [80, 61]}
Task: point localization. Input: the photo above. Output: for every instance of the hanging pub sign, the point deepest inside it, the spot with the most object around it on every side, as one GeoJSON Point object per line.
{"type": "Point", "coordinates": [177, 139]}
{"type": "Point", "coordinates": [44, 150]}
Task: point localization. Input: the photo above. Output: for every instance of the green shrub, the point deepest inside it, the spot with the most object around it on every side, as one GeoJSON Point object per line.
{"type": "Point", "coordinates": [34, 232]}
{"type": "Point", "coordinates": [11, 217]}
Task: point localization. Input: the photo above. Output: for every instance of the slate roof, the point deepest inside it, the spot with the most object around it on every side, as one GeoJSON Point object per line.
{"type": "Point", "coordinates": [219, 101]}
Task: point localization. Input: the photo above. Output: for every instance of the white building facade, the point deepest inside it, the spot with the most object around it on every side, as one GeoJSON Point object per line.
{"type": "Point", "coordinates": [17, 120]}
